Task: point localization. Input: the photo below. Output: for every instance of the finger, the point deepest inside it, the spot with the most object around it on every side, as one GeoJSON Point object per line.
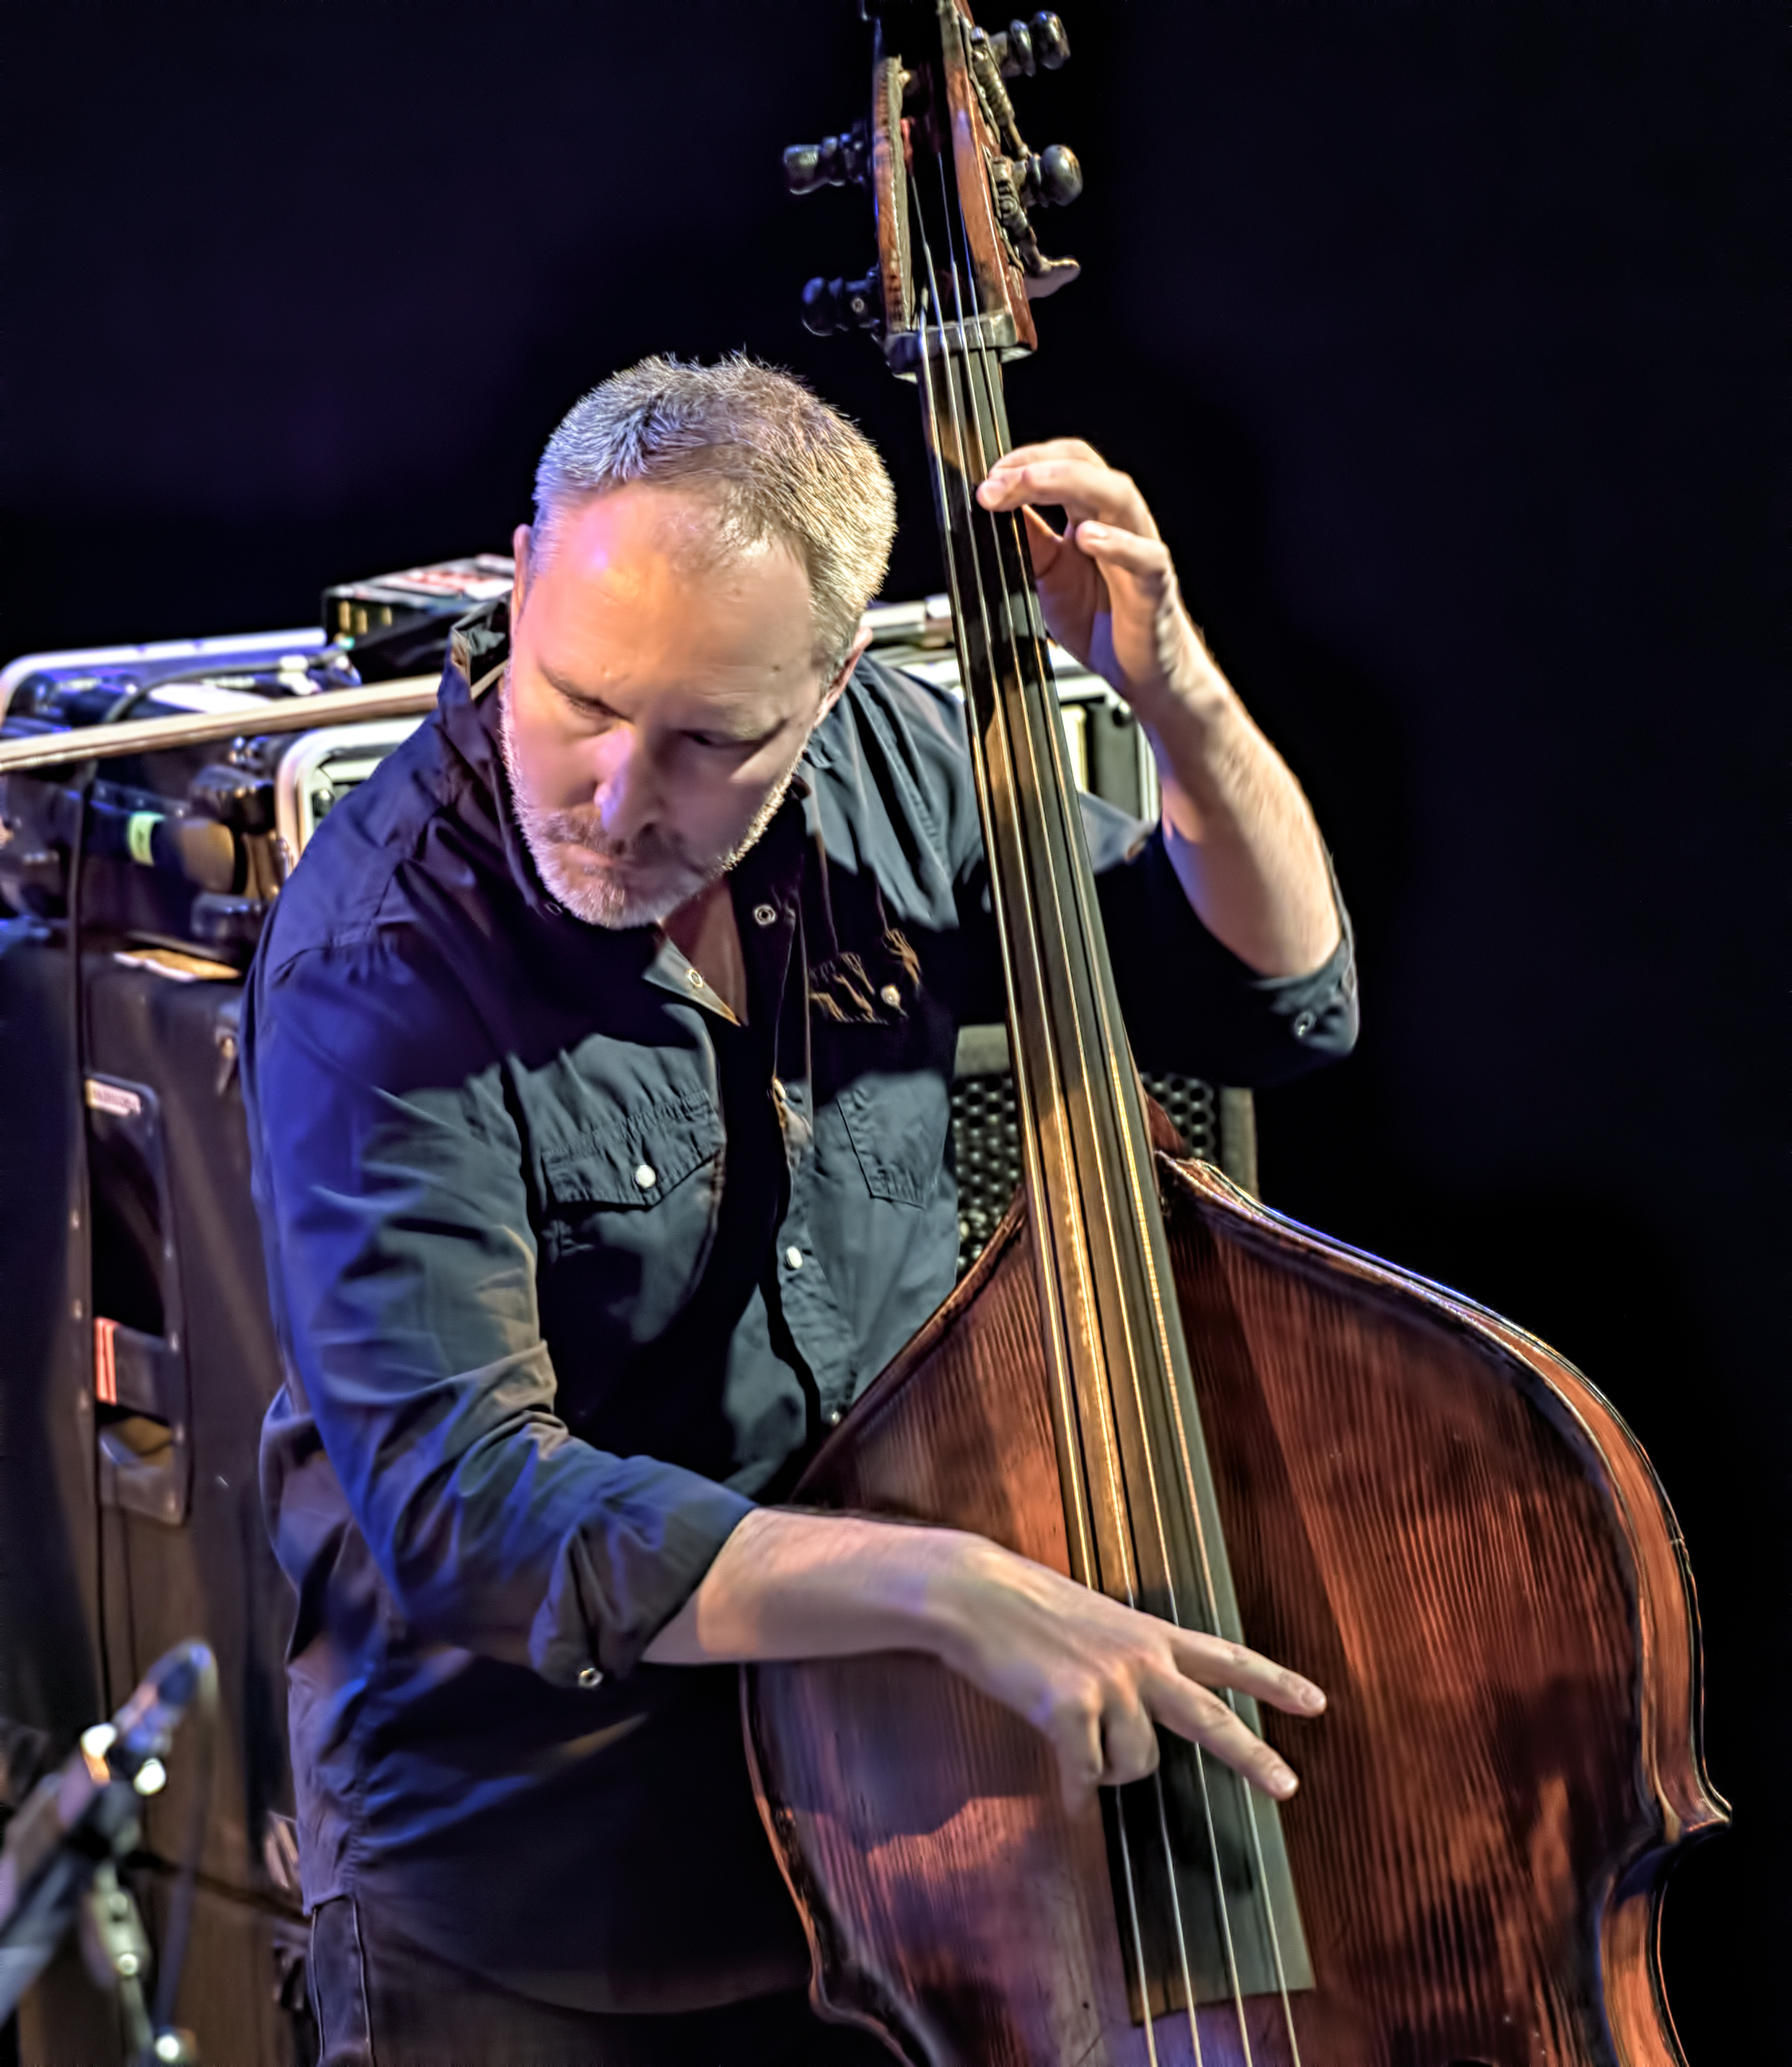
{"type": "Point", "coordinates": [1077, 448]}
{"type": "Point", "coordinates": [1075, 1733]}
{"type": "Point", "coordinates": [1059, 479]}
{"type": "Point", "coordinates": [1191, 1712]}
{"type": "Point", "coordinates": [1048, 545]}
{"type": "Point", "coordinates": [1129, 1743]}
{"type": "Point", "coordinates": [1081, 488]}
{"type": "Point", "coordinates": [1146, 558]}
{"type": "Point", "coordinates": [1214, 1662]}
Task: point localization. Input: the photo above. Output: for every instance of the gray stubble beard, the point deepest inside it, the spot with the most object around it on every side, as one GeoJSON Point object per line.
{"type": "Point", "coordinates": [554, 842]}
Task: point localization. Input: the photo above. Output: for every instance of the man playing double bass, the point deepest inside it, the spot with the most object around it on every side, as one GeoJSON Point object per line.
{"type": "Point", "coordinates": [598, 1061]}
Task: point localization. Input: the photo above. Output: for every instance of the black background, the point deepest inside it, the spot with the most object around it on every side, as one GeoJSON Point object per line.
{"type": "Point", "coordinates": [1441, 339]}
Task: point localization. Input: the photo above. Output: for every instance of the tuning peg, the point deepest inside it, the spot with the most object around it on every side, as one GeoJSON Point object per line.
{"type": "Point", "coordinates": [835, 161]}
{"type": "Point", "coordinates": [831, 305]}
{"type": "Point", "coordinates": [1052, 178]}
{"type": "Point", "coordinates": [1023, 46]}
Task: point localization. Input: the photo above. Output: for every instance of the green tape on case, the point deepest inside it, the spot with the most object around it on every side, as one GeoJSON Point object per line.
{"type": "Point", "coordinates": [138, 829]}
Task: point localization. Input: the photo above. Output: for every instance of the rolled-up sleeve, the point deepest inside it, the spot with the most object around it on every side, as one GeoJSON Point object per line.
{"type": "Point", "coordinates": [392, 1178]}
{"type": "Point", "coordinates": [1190, 1003]}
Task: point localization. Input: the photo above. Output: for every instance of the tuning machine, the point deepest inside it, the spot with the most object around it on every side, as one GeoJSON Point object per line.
{"type": "Point", "coordinates": [1022, 47]}
{"type": "Point", "coordinates": [830, 307]}
{"type": "Point", "coordinates": [1019, 178]}
{"type": "Point", "coordinates": [952, 102]}
{"type": "Point", "coordinates": [1050, 178]}
{"type": "Point", "coordinates": [835, 161]}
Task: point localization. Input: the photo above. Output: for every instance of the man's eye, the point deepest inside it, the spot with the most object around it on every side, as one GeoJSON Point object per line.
{"type": "Point", "coordinates": [581, 707]}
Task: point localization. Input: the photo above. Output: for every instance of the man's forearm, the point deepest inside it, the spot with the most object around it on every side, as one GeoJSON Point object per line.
{"type": "Point", "coordinates": [1096, 1677]}
{"type": "Point", "coordinates": [788, 1585]}
{"type": "Point", "coordinates": [1239, 830]}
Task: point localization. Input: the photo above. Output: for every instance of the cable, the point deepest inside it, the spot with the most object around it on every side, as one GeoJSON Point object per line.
{"type": "Point", "coordinates": [179, 1910]}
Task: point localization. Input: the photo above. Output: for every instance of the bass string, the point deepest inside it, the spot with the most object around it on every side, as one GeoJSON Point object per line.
{"type": "Point", "coordinates": [976, 461]}
{"type": "Point", "coordinates": [1118, 1490]}
{"type": "Point", "coordinates": [1029, 1146]}
{"type": "Point", "coordinates": [1115, 1047]}
{"type": "Point", "coordinates": [966, 532]}
{"type": "Point", "coordinates": [949, 516]}
{"type": "Point", "coordinates": [979, 460]}
{"type": "Point", "coordinates": [1044, 714]}
{"type": "Point", "coordinates": [1007, 756]}
{"type": "Point", "coordinates": [1009, 934]}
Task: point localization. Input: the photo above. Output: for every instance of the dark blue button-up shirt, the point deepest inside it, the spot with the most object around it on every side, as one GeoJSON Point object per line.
{"type": "Point", "coordinates": [570, 1267]}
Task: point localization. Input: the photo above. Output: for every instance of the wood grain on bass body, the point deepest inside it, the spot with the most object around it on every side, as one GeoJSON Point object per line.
{"type": "Point", "coordinates": [1427, 1511]}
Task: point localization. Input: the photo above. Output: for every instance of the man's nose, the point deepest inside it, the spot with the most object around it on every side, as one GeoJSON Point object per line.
{"type": "Point", "coordinates": [626, 792]}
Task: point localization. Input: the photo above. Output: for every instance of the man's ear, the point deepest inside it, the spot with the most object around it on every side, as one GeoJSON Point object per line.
{"type": "Point", "coordinates": [520, 540]}
{"type": "Point", "coordinates": [836, 688]}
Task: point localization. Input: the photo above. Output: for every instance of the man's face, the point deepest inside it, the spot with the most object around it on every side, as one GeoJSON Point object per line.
{"type": "Point", "coordinates": [657, 699]}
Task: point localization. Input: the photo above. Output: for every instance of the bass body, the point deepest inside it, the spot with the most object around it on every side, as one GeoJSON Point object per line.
{"type": "Point", "coordinates": [1442, 1521]}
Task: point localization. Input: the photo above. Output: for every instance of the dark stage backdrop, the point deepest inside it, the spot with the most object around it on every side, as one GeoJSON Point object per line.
{"type": "Point", "coordinates": [1440, 337]}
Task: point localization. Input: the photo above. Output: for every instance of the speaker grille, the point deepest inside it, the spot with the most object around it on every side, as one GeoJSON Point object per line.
{"type": "Point", "coordinates": [986, 1145]}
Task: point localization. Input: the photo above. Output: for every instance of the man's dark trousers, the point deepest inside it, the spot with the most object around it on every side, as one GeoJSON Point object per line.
{"type": "Point", "coordinates": [381, 2002]}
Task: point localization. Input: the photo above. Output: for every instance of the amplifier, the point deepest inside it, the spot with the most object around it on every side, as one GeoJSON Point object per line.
{"type": "Point", "coordinates": [395, 623]}
{"type": "Point", "coordinates": [140, 1360]}
{"type": "Point", "coordinates": [177, 842]}
{"type": "Point", "coordinates": [185, 845]}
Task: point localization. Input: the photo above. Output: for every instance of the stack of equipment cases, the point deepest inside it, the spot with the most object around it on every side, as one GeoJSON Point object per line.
{"type": "Point", "coordinates": [136, 1352]}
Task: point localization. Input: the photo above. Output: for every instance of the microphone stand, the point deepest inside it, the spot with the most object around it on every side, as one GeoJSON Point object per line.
{"type": "Point", "coordinates": [58, 1866]}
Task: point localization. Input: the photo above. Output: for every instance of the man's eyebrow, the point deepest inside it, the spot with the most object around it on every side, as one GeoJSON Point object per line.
{"type": "Point", "coordinates": [572, 692]}
{"type": "Point", "coordinates": [746, 730]}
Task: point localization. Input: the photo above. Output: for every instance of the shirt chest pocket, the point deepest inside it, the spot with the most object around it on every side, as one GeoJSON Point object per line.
{"type": "Point", "coordinates": [897, 1125]}
{"type": "Point", "coordinates": [628, 1219]}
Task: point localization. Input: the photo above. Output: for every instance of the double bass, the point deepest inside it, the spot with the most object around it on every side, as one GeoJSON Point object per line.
{"type": "Point", "coordinates": [1154, 1384]}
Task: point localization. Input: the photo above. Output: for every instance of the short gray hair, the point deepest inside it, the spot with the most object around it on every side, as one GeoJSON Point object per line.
{"type": "Point", "coordinates": [777, 462]}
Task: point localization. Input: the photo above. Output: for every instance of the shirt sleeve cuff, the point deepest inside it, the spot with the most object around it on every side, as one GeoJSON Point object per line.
{"type": "Point", "coordinates": [1212, 1015]}
{"type": "Point", "coordinates": [1316, 1015]}
{"type": "Point", "coordinates": [622, 1575]}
